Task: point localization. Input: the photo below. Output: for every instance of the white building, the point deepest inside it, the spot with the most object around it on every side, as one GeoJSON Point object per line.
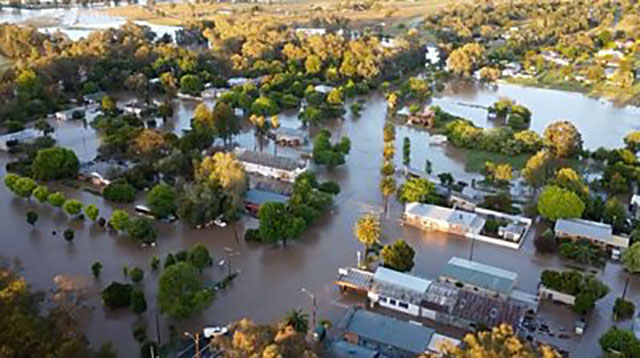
{"type": "Point", "coordinates": [433, 217]}
{"type": "Point", "coordinates": [24, 136]}
{"type": "Point", "coordinates": [269, 165]}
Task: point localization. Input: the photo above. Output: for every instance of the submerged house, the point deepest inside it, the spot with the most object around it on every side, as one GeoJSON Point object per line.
{"type": "Point", "coordinates": [255, 198]}
{"type": "Point", "coordinates": [269, 165]}
{"type": "Point", "coordinates": [599, 234]}
{"type": "Point", "coordinates": [433, 217]}
{"type": "Point", "coordinates": [24, 136]}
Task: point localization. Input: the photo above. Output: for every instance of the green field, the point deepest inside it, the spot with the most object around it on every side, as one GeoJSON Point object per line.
{"type": "Point", "coordinates": [476, 160]}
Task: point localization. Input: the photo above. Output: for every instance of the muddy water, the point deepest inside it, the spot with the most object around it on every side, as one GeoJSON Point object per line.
{"type": "Point", "coordinates": [271, 277]}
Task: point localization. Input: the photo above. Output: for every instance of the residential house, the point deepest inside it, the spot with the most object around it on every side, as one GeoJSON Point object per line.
{"type": "Point", "coordinates": [513, 231]}
{"type": "Point", "coordinates": [101, 173]}
{"type": "Point", "coordinates": [387, 335]}
{"type": "Point", "coordinates": [287, 136]}
{"type": "Point", "coordinates": [477, 277]}
{"type": "Point", "coordinates": [433, 217]}
{"type": "Point", "coordinates": [69, 114]}
{"type": "Point", "coordinates": [269, 165]}
{"type": "Point", "coordinates": [597, 233]}
{"type": "Point", "coordinates": [442, 302]}
{"type": "Point", "coordinates": [255, 198]}
{"type": "Point", "coordinates": [463, 202]}
{"type": "Point", "coordinates": [344, 349]}
{"type": "Point", "coordinates": [133, 107]}
{"type": "Point", "coordinates": [24, 136]}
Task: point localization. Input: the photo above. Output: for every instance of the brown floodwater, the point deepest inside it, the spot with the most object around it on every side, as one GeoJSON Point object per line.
{"type": "Point", "coordinates": [271, 276]}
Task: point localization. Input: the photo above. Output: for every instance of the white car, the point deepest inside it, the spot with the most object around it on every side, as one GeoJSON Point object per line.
{"type": "Point", "coordinates": [211, 332]}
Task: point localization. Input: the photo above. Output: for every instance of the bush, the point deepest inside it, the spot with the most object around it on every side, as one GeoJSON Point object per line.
{"type": "Point", "coordinates": [138, 301]}
{"type": "Point", "coordinates": [623, 309]}
{"type": "Point", "coordinates": [119, 191]}
{"type": "Point", "coordinates": [330, 187]}
{"type": "Point", "coordinates": [117, 295]}
{"type": "Point", "coordinates": [252, 235]}
{"type": "Point", "coordinates": [96, 268]}
{"type": "Point", "coordinates": [68, 235]}
{"type": "Point", "coordinates": [55, 163]}
{"type": "Point", "coordinates": [546, 242]}
{"type": "Point", "coordinates": [136, 274]}
{"type": "Point", "coordinates": [142, 230]}
{"type": "Point", "coordinates": [32, 217]}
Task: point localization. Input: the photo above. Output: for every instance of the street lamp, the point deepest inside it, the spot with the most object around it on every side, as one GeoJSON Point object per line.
{"type": "Point", "coordinates": [196, 342]}
{"type": "Point", "coordinates": [313, 306]}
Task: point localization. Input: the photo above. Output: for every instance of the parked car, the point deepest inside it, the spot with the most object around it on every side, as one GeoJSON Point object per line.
{"type": "Point", "coordinates": [211, 332]}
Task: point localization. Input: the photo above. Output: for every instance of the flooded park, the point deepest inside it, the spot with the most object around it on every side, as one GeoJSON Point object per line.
{"type": "Point", "coordinates": [271, 277]}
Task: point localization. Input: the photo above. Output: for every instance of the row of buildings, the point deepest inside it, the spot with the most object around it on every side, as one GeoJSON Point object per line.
{"type": "Point", "coordinates": [467, 295]}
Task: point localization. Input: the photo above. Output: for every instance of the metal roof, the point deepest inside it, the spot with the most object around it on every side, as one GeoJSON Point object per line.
{"type": "Point", "coordinates": [266, 159]}
{"type": "Point", "coordinates": [480, 275]}
{"type": "Point", "coordinates": [25, 134]}
{"type": "Point", "coordinates": [402, 280]}
{"type": "Point", "coordinates": [344, 349]}
{"type": "Point", "coordinates": [403, 335]}
{"type": "Point", "coordinates": [259, 197]}
{"type": "Point", "coordinates": [441, 213]}
{"type": "Point", "coordinates": [585, 229]}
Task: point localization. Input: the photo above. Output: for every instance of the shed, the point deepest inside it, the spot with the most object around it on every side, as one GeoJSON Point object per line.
{"type": "Point", "coordinates": [479, 275]}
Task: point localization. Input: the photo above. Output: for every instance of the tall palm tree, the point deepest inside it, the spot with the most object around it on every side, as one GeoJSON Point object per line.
{"type": "Point", "coordinates": [367, 231]}
{"type": "Point", "coordinates": [387, 187]}
{"type": "Point", "coordinates": [297, 320]}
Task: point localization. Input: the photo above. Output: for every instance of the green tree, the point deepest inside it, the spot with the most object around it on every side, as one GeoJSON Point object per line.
{"type": "Point", "coordinates": [165, 110]}
{"type": "Point", "coordinates": [556, 203]}
{"type": "Point", "coordinates": [325, 153]}
{"type": "Point", "coordinates": [225, 122]}
{"type": "Point", "coordinates": [142, 229]}
{"type": "Point", "coordinates": [68, 235]}
{"type": "Point", "coordinates": [191, 84]}
{"type": "Point", "coordinates": [119, 220]}
{"type": "Point", "coordinates": [117, 295]}
{"type": "Point", "coordinates": [96, 269]}
{"type": "Point", "coordinates": [41, 193]}
{"type": "Point", "coordinates": [162, 200]}
{"type": "Point", "coordinates": [632, 141]}
{"type": "Point", "coordinates": [200, 257]}
{"type": "Point", "coordinates": [623, 309]}
{"type": "Point", "coordinates": [180, 291]}
{"type": "Point", "coordinates": [56, 199]}
{"type": "Point", "coordinates": [620, 340]}
{"type": "Point", "coordinates": [631, 258]}
{"type": "Point", "coordinates": [155, 263]}
{"type": "Point", "coordinates": [92, 212]}
{"type": "Point", "coordinates": [138, 301]}
{"type": "Point", "coordinates": [416, 190]}
{"type": "Point", "coordinates": [108, 105]}
{"type": "Point", "coordinates": [615, 213]}
{"type": "Point", "coordinates": [387, 187]}
{"type": "Point", "coordinates": [72, 207]}
{"type": "Point", "coordinates": [398, 256]}
{"type": "Point", "coordinates": [136, 274]}
{"type": "Point", "coordinates": [55, 163]}
{"type": "Point", "coordinates": [32, 217]}
{"type": "Point", "coordinates": [296, 319]}
{"type": "Point", "coordinates": [277, 223]}
{"type": "Point", "coordinates": [367, 230]}
{"type": "Point", "coordinates": [563, 139]}
{"type": "Point", "coordinates": [313, 64]}
{"type": "Point", "coordinates": [24, 187]}
{"type": "Point", "coordinates": [406, 151]}
{"type": "Point", "coordinates": [43, 126]}
{"type": "Point", "coordinates": [119, 191]}
{"type": "Point", "coordinates": [10, 180]}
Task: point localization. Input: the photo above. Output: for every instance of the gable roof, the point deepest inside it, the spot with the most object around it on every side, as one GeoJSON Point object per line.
{"type": "Point", "coordinates": [441, 213]}
{"type": "Point", "coordinates": [259, 197]}
{"type": "Point", "coordinates": [344, 349]}
{"type": "Point", "coordinates": [266, 159]}
{"type": "Point", "coordinates": [402, 280]}
{"type": "Point", "coordinates": [403, 335]}
{"type": "Point", "coordinates": [480, 275]}
{"type": "Point", "coordinates": [586, 229]}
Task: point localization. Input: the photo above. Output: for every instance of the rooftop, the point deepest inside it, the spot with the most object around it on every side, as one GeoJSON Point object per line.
{"type": "Point", "coordinates": [355, 278]}
{"type": "Point", "coordinates": [403, 335]}
{"type": "Point", "coordinates": [259, 197]}
{"type": "Point", "coordinates": [402, 280]}
{"type": "Point", "coordinates": [586, 229]}
{"type": "Point", "coordinates": [24, 134]}
{"type": "Point", "coordinates": [441, 213]}
{"type": "Point", "coordinates": [480, 275]}
{"type": "Point", "coordinates": [491, 312]}
{"type": "Point", "coordinates": [344, 349]}
{"type": "Point", "coordinates": [439, 341]}
{"type": "Point", "coordinates": [266, 159]}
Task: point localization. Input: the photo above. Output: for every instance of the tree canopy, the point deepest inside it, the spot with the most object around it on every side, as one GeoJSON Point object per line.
{"type": "Point", "coordinates": [180, 291]}
{"type": "Point", "coordinates": [557, 203]}
{"type": "Point", "coordinates": [398, 256]}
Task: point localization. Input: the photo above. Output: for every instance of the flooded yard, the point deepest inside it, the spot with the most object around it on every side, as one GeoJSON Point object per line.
{"type": "Point", "coordinates": [270, 276]}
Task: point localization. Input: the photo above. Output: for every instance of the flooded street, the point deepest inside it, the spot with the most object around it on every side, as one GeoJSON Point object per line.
{"type": "Point", "coordinates": [270, 276]}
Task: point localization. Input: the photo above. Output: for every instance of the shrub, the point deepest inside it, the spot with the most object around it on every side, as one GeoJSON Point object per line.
{"type": "Point", "coordinates": [138, 301]}
{"type": "Point", "coordinates": [119, 191]}
{"type": "Point", "coordinates": [546, 242]}
{"type": "Point", "coordinates": [623, 309]}
{"type": "Point", "coordinates": [68, 235]}
{"type": "Point", "coordinates": [330, 187]}
{"type": "Point", "coordinates": [136, 274]}
{"type": "Point", "coordinates": [117, 295]}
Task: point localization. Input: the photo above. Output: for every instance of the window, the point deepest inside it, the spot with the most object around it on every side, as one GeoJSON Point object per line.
{"type": "Point", "coordinates": [403, 305]}
{"type": "Point", "coordinates": [392, 301]}
{"type": "Point", "coordinates": [382, 299]}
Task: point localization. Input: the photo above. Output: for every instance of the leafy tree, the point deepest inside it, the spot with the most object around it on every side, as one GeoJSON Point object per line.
{"type": "Point", "coordinates": [623, 309]}
{"type": "Point", "coordinates": [416, 190]}
{"type": "Point", "coordinates": [387, 187]}
{"type": "Point", "coordinates": [24, 187]}
{"type": "Point", "coordinates": [96, 269]}
{"type": "Point", "coordinates": [631, 258]}
{"type": "Point", "coordinates": [620, 340]}
{"type": "Point", "coordinates": [567, 178]}
{"type": "Point", "coordinates": [43, 126]}
{"type": "Point", "coordinates": [546, 242]}
{"type": "Point", "coordinates": [119, 220]}
{"type": "Point", "coordinates": [169, 260]}
{"type": "Point", "coordinates": [41, 193]}
{"type": "Point", "coordinates": [68, 235]}
{"type": "Point", "coordinates": [367, 230]}
{"type": "Point", "coordinates": [165, 110]}
{"type": "Point", "coordinates": [55, 163]}
{"type": "Point", "coordinates": [191, 84]}
{"type": "Point", "coordinates": [313, 64]}
{"type": "Point", "coordinates": [117, 295]}
{"type": "Point", "coordinates": [138, 301]}
{"type": "Point", "coordinates": [136, 274]}
{"type": "Point", "coordinates": [225, 122]}
{"type": "Point", "coordinates": [463, 60]}
{"type": "Point", "coordinates": [277, 223]}
{"type": "Point", "coordinates": [406, 151]}
{"type": "Point", "coordinates": [632, 141]}
{"type": "Point", "coordinates": [556, 203]}
{"type": "Point", "coordinates": [563, 139]}
{"type": "Point", "coordinates": [155, 263]}
{"type": "Point", "coordinates": [72, 207]}
{"type": "Point", "coordinates": [398, 256]}
{"type": "Point", "coordinates": [32, 217]}
{"type": "Point", "coordinates": [141, 229]}
{"type": "Point", "coordinates": [330, 187]}
{"type": "Point", "coordinates": [200, 257]}
{"type": "Point", "coordinates": [119, 191]}
{"type": "Point", "coordinates": [297, 320]}
{"type": "Point", "coordinates": [56, 199]}
{"type": "Point", "coordinates": [224, 169]}
{"type": "Point", "coordinates": [10, 180]}
{"type": "Point", "coordinates": [615, 214]}
{"type": "Point", "coordinates": [500, 341]}
{"type": "Point", "coordinates": [180, 291]}
{"type": "Point", "coordinates": [108, 105]}
{"type": "Point", "coordinates": [162, 200]}
{"type": "Point", "coordinates": [92, 212]}
{"type": "Point", "coordinates": [329, 154]}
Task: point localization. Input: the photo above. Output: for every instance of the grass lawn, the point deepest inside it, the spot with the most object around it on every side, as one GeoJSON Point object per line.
{"type": "Point", "coordinates": [476, 160]}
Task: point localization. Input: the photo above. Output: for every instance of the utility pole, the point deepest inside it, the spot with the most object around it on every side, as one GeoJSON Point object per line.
{"type": "Point", "coordinates": [314, 307]}
{"type": "Point", "coordinates": [196, 342]}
